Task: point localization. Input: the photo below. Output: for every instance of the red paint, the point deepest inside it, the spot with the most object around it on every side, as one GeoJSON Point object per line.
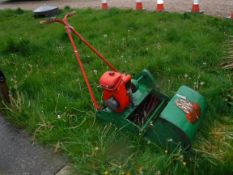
{"type": "Point", "coordinates": [196, 8]}
{"type": "Point", "coordinates": [194, 114]}
{"type": "Point", "coordinates": [139, 6]}
{"type": "Point", "coordinates": [160, 8]}
{"type": "Point", "coordinates": [104, 6]}
{"type": "Point", "coordinates": [231, 15]}
{"type": "Point", "coordinates": [110, 80]}
{"type": "Point", "coordinates": [114, 85]}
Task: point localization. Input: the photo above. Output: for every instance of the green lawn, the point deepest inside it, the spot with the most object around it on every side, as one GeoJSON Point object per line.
{"type": "Point", "coordinates": [51, 101]}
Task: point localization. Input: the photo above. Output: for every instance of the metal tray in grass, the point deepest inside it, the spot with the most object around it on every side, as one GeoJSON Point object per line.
{"type": "Point", "coordinates": [46, 11]}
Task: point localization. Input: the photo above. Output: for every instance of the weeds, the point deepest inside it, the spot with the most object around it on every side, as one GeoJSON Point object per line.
{"type": "Point", "coordinates": [228, 63]}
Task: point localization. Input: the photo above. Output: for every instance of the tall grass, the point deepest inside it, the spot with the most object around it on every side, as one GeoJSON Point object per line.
{"type": "Point", "coordinates": [51, 101]}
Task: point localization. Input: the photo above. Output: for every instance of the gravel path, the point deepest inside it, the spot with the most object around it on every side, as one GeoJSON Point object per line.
{"type": "Point", "coordinates": [221, 8]}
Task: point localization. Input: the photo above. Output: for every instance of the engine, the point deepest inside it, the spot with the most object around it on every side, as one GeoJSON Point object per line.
{"type": "Point", "coordinates": [116, 90]}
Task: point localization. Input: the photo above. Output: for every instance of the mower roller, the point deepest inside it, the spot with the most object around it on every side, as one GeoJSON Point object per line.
{"type": "Point", "coordinates": [136, 105]}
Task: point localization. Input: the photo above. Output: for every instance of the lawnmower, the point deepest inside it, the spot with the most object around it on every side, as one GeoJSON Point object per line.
{"type": "Point", "coordinates": [133, 103]}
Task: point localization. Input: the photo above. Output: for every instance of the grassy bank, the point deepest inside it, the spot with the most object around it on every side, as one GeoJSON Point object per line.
{"type": "Point", "coordinates": [51, 100]}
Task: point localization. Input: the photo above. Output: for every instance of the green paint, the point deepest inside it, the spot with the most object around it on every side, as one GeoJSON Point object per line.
{"type": "Point", "coordinates": [172, 127]}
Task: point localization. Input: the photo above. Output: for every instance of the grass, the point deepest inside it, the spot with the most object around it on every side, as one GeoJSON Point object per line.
{"type": "Point", "coordinates": [51, 101]}
{"type": "Point", "coordinates": [228, 63]}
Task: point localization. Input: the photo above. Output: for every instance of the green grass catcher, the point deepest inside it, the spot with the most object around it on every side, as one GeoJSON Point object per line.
{"type": "Point", "coordinates": [136, 105]}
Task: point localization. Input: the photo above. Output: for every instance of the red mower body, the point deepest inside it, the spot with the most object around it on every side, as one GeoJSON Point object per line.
{"type": "Point", "coordinates": [116, 90]}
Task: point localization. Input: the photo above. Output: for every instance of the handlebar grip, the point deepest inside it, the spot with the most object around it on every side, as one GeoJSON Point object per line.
{"type": "Point", "coordinates": [48, 21]}
{"type": "Point", "coordinates": [44, 22]}
{"type": "Point", "coordinates": [71, 14]}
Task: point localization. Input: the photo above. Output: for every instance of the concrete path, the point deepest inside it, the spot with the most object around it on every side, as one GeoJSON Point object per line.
{"type": "Point", "coordinates": [221, 8]}
{"type": "Point", "coordinates": [19, 157]}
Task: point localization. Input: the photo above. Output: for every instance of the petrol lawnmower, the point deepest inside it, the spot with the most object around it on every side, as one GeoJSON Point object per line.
{"type": "Point", "coordinates": [133, 103]}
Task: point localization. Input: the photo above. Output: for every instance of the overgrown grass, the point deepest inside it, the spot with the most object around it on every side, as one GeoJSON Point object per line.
{"type": "Point", "coordinates": [50, 99]}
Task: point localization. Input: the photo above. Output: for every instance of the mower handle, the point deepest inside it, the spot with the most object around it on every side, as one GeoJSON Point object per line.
{"type": "Point", "coordinates": [69, 15]}
{"type": "Point", "coordinates": [53, 19]}
{"type": "Point", "coordinates": [69, 31]}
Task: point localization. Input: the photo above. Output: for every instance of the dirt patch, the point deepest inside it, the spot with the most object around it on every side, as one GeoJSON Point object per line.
{"type": "Point", "coordinates": [211, 7]}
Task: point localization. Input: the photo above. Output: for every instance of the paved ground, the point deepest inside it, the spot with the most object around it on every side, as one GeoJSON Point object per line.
{"type": "Point", "coordinates": [211, 7]}
{"type": "Point", "coordinates": [19, 157]}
